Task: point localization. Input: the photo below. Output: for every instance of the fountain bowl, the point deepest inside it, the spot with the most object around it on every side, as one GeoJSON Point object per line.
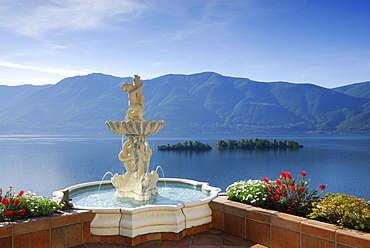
{"type": "Point", "coordinates": [134, 221]}
{"type": "Point", "coordinates": [137, 127]}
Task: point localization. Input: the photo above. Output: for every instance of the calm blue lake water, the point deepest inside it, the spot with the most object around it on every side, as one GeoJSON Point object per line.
{"type": "Point", "coordinates": [43, 164]}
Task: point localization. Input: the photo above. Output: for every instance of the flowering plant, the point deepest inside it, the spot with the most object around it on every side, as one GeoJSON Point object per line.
{"type": "Point", "coordinates": [291, 195]}
{"type": "Point", "coordinates": [22, 205]}
{"type": "Point", "coordinates": [285, 194]}
{"type": "Point", "coordinates": [250, 192]}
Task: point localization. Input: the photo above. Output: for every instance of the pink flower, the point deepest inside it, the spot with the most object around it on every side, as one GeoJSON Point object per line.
{"type": "Point", "coordinates": [303, 173]}
{"type": "Point", "coordinates": [322, 187]}
{"type": "Point", "coordinates": [301, 189]}
{"type": "Point", "coordinates": [265, 179]}
{"type": "Point", "coordinates": [5, 201]}
{"type": "Point", "coordinates": [278, 182]}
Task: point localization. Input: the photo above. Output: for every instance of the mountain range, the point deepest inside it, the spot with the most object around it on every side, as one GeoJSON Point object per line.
{"type": "Point", "coordinates": [202, 103]}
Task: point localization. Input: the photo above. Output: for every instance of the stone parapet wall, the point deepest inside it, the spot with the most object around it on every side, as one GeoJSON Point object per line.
{"type": "Point", "coordinates": [65, 229]}
{"type": "Point", "coordinates": [279, 230]}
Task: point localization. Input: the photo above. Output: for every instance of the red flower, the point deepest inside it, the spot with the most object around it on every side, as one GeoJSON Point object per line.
{"type": "Point", "coordinates": [278, 190]}
{"type": "Point", "coordinates": [322, 187]}
{"type": "Point", "coordinates": [301, 189]}
{"type": "Point", "coordinates": [283, 187]}
{"type": "Point", "coordinates": [283, 174]}
{"type": "Point", "coordinates": [269, 186]}
{"type": "Point", "coordinates": [5, 201]}
{"type": "Point", "coordinates": [265, 179]}
{"type": "Point", "coordinates": [303, 173]}
{"type": "Point", "coordinates": [285, 194]}
{"type": "Point", "coordinates": [276, 196]}
{"type": "Point", "coordinates": [288, 175]}
{"type": "Point", "coordinates": [20, 193]}
{"type": "Point", "coordinates": [9, 213]}
{"type": "Point", "coordinates": [17, 202]}
{"type": "Point", "coordinates": [292, 188]}
{"type": "Point", "coordinates": [278, 182]}
{"type": "Point", "coordinates": [22, 211]}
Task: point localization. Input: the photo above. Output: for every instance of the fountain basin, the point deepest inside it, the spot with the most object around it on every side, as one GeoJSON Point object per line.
{"type": "Point", "coordinates": [137, 127]}
{"type": "Point", "coordinates": [147, 218]}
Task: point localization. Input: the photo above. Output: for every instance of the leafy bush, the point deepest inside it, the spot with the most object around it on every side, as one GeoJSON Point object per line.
{"type": "Point", "coordinates": [23, 205]}
{"type": "Point", "coordinates": [250, 192]}
{"type": "Point", "coordinates": [343, 210]}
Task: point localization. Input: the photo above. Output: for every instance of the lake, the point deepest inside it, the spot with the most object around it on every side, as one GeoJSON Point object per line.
{"type": "Point", "coordinates": [45, 163]}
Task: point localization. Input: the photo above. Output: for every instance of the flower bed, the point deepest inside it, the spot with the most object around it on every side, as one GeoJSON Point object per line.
{"type": "Point", "coordinates": [24, 205]}
{"type": "Point", "coordinates": [293, 196]}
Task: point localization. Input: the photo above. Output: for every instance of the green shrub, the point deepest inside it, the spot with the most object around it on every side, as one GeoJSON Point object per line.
{"type": "Point", "coordinates": [250, 192]}
{"type": "Point", "coordinates": [343, 210]}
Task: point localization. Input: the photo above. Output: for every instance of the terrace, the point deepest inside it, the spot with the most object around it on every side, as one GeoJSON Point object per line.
{"type": "Point", "coordinates": [233, 225]}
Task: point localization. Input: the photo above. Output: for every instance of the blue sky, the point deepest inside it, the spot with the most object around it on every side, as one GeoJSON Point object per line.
{"type": "Point", "coordinates": [324, 42]}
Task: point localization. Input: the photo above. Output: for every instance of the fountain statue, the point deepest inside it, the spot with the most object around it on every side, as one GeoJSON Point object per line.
{"type": "Point", "coordinates": [137, 183]}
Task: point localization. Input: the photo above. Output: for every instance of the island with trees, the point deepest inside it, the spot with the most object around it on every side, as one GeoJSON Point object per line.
{"type": "Point", "coordinates": [186, 146]}
{"type": "Point", "coordinates": [257, 144]}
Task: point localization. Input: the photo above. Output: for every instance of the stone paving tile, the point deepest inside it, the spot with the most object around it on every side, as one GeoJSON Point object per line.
{"type": "Point", "coordinates": [212, 238]}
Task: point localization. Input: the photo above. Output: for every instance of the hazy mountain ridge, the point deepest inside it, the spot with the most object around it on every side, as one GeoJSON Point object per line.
{"type": "Point", "coordinates": [199, 103]}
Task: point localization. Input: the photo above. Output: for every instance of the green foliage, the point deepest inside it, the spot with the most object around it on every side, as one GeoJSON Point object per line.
{"type": "Point", "coordinates": [250, 192]}
{"type": "Point", "coordinates": [186, 146]}
{"type": "Point", "coordinates": [343, 210]}
{"type": "Point", "coordinates": [23, 205]}
{"type": "Point", "coordinates": [257, 144]}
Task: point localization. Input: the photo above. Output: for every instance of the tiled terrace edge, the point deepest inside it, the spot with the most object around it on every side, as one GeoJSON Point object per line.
{"type": "Point", "coordinates": [275, 229]}
{"type": "Point", "coordinates": [65, 229]}
{"type": "Point", "coordinates": [72, 228]}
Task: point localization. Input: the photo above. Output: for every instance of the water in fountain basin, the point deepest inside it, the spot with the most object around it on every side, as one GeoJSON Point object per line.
{"type": "Point", "coordinates": [173, 194]}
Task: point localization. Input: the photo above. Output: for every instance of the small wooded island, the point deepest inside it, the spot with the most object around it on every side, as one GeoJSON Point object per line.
{"type": "Point", "coordinates": [231, 144]}
{"type": "Point", "coordinates": [257, 144]}
{"type": "Point", "coordinates": [186, 146]}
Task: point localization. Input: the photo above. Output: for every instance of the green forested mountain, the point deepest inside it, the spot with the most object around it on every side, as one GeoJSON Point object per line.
{"type": "Point", "coordinates": [199, 103]}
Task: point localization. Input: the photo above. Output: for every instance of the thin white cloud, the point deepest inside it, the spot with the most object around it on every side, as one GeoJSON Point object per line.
{"type": "Point", "coordinates": [59, 71]}
{"type": "Point", "coordinates": [35, 19]}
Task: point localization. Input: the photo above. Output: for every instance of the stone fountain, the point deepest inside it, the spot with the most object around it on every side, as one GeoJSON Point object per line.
{"type": "Point", "coordinates": [134, 207]}
{"type": "Point", "coordinates": [137, 183]}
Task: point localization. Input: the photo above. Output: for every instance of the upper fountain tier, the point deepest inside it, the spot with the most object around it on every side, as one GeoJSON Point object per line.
{"type": "Point", "coordinates": [134, 123]}
{"type": "Point", "coordinates": [141, 128]}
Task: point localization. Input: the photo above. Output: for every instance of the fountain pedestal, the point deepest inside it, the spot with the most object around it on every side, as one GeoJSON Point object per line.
{"type": "Point", "coordinates": [137, 183]}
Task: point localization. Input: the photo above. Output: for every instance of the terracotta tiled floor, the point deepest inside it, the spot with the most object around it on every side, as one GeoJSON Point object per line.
{"type": "Point", "coordinates": [210, 239]}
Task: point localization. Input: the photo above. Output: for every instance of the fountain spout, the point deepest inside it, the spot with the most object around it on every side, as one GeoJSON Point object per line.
{"type": "Point", "coordinates": [137, 182]}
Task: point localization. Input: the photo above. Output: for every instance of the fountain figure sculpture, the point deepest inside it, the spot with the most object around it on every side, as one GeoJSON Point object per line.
{"type": "Point", "coordinates": [137, 183]}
